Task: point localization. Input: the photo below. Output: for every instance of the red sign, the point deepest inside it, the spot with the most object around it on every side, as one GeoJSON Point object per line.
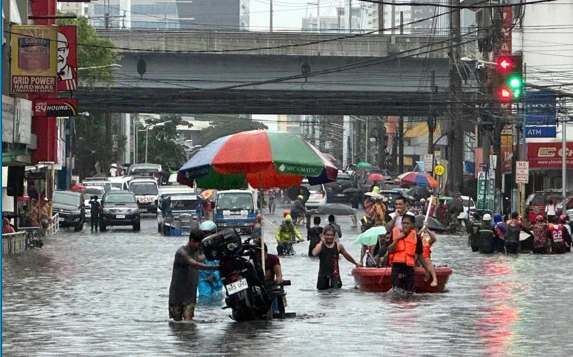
{"type": "Point", "coordinates": [55, 107]}
{"type": "Point", "coordinates": [67, 58]}
{"type": "Point", "coordinates": [548, 155]}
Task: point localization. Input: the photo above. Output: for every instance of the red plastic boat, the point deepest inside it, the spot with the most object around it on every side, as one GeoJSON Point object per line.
{"type": "Point", "coordinates": [378, 279]}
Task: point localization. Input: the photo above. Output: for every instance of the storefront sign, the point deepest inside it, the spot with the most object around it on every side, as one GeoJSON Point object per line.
{"type": "Point", "coordinates": [7, 119]}
{"type": "Point", "coordinates": [540, 107]}
{"type": "Point", "coordinates": [23, 121]}
{"type": "Point", "coordinates": [55, 107]}
{"type": "Point", "coordinates": [548, 155]}
{"type": "Point", "coordinates": [34, 59]}
{"type": "Point", "coordinates": [540, 131]}
{"type": "Point", "coordinates": [506, 152]}
{"type": "Point", "coordinates": [67, 58]}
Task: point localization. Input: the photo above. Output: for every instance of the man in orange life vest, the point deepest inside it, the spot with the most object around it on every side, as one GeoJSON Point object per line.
{"type": "Point", "coordinates": [406, 245]}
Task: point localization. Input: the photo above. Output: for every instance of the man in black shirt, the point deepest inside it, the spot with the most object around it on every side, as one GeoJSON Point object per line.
{"type": "Point", "coordinates": [313, 235]}
{"type": "Point", "coordinates": [94, 211]}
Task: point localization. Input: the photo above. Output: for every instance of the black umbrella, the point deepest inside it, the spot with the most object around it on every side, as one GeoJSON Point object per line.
{"type": "Point", "coordinates": [418, 192]}
{"type": "Point", "coordinates": [433, 224]}
{"type": "Point", "coordinates": [293, 193]}
{"type": "Point", "coordinates": [455, 204]}
{"type": "Point", "coordinates": [336, 209]}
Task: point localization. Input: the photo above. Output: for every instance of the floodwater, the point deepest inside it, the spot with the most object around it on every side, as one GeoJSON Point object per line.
{"type": "Point", "coordinates": [105, 294]}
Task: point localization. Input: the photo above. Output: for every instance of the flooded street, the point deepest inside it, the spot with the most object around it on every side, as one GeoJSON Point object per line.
{"type": "Point", "coordinates": [105, 294]}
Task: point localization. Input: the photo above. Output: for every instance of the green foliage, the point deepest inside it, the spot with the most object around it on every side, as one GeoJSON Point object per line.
{"type": "Point", "coordinates": [227, 125]}
{"type": "Point", "coordinates": [162, 148]}
{"type": "Point", "coordinates": [93, 51]}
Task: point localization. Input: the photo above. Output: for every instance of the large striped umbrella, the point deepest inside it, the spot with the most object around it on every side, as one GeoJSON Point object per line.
{"type": "Point", "coordinates": [264, 159]}
{"type": "Point", "coordinates": [418, 178]}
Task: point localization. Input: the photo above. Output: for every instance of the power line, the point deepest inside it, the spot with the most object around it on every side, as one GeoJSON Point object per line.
{"type": "Point", "coordinates": [457, 6]}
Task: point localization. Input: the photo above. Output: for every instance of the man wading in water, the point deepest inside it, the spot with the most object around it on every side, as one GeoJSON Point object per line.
{"type": "Point", "coordinates": [184, 281]}
{"type": "Point", "coordinates": [328, 251]}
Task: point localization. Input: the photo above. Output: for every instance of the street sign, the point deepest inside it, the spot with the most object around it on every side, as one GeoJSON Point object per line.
{"type": "Point", "coordinates": [493, 161]}
{"type": "Point", "coordinates": [522, 172]}
{"type": "Point", "coordinates": [439, 170]}
{"type": "Point", "coordinates": [428, 162]}
{"type": "Point", "coordinates": [486, 191]}
{"type": "Point", "coordinates": [540, 131]}
{"type": "Point", "coordinates": [540, 107]}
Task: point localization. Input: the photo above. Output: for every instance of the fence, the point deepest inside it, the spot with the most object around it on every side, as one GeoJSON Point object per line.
{"type": "Point", "coordinates": [28, 237]}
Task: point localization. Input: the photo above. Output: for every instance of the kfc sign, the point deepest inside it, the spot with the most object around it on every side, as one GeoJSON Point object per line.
{"type": "Point", "coordinates": [549, 155]}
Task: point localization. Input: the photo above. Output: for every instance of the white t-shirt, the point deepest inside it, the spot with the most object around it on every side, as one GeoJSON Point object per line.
{"type": "Point", "coordinates": [398, 222]}
{"type": "Point", "coordinates": [550, 209]}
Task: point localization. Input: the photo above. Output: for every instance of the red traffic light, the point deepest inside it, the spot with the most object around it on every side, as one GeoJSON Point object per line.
{"type": "Point", "coordinates": [505, 93]}
{"type": "Point", "coordinates": [505, 63]}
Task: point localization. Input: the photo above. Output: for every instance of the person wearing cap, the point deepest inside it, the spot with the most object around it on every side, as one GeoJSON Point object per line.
{"type": "Point", "coordinates": [486, 235]}
{"type": "Point", "coordinates": [298, 210]}
{"type": "Point", "coordinates": [285, 235]}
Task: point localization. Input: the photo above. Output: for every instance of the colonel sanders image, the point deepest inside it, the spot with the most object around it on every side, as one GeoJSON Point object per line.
{"type": "Point", "coordinates": [66, 73]}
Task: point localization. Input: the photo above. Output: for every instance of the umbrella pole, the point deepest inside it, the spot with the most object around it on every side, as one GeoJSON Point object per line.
{"type": "Point", "coordinates": [260, 179]}
{"type": "Point", "coordinates": [429, 207]}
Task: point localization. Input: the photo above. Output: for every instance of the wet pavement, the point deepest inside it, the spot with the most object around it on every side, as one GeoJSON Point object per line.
{"type": "Point", "coordinates": [105, 294]}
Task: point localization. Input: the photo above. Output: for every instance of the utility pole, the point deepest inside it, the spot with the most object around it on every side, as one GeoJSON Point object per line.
{"type": "Point", "coordinates": [455, 130]}
{"type": "Point", "coordinates": [401, 144]}
{"type": "Point", "coordinates": [271, 20]}
{"type": "Point", "coordinates": [381, 143]}
{"type": "Point", "coordinates": [350, 19]}
{"type": "Point", "coordinates": [430, 120]}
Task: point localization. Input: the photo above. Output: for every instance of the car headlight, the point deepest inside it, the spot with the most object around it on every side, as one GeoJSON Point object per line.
{"type": "Point", "coordinates": [106, 211]}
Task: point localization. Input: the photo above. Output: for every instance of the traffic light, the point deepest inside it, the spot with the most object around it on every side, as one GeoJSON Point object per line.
{"type": "Point", "coordinates": [510, 78]}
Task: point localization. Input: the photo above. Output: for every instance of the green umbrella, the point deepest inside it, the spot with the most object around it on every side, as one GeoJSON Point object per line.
{"type": "Point", "coordinates": [370, 236]}
{"type": "Point", "coordinates": [363, 164]}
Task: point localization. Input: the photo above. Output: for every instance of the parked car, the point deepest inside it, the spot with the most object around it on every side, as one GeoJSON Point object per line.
{"type": "Point", "coordinates": [568, 206]}
{"type": "Point", "coordinates": [98, 191]}
{"type": "Point", "coordinates": [119, 208]}
{"type": "Point", "coordinates": [70, 208]}
{"type": "Point", "coordinates": [317, 196]}
{"type": "Point", "coordinates": [334, 189]}
{"type": "Point", "coordinates": [390, 199]}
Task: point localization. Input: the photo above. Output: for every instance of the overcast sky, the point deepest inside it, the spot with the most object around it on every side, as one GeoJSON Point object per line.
{"type": "Point", "coordinates": [288, 14]}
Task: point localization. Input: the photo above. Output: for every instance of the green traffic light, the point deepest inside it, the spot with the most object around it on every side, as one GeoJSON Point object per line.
{"type": "Point", "coordinates": [516, 93]}
{"type": "Point", "coordinates": [515, 82]}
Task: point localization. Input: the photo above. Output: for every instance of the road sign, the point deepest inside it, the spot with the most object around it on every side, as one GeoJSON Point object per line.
{"type": "Point", "coordinates": [439, 170]}
{"type": "Point", "coordinates": [493, 161]}
{"type": "Point", "coordinates": [486, 191]}
{"type": "Point", "coordinates": [540, 131]}
{"type": "Point", "coordinates": [428, 162]}
{"type": "Point", "coordinates": [522, 172]}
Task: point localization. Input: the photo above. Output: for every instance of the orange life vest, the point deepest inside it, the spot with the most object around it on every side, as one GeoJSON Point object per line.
{"type": "Point", "coordinates": [405, 248]}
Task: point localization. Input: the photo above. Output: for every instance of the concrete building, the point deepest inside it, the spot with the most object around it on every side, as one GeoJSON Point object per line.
{"type": "Point", "coordinates": [216, 15]}
{"type": "Point", "coordinates": [78, 8]}
{"type": "Point", "coordinates": [135, 14]}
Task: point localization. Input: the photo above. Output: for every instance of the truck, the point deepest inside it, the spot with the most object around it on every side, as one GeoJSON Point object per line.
{"type": "Point", "coordinates": [236, 209]}
{"type": "Point", "coordinates": [179, 213]}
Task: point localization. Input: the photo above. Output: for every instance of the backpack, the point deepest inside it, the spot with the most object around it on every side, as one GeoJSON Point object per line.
{"type": "Point", "coordinates": [512, 231]}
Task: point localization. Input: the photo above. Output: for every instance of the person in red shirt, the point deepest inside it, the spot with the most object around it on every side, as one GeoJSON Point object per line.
{"type": "Point", "coordinates": [6, 226]}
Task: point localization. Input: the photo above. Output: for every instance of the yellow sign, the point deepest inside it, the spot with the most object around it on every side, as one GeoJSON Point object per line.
{"type": "Point", "coordinates": [439, 170]}
{"type": "Point", "coordinates": [34, 59]}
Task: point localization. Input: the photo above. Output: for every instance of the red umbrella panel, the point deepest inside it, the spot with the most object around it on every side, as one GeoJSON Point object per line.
{"type": "Point", "coordinates": [376, 177]}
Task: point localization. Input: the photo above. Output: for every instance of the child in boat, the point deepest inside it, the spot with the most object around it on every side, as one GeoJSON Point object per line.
{"type": "Point", "coordinates": [428, 239]}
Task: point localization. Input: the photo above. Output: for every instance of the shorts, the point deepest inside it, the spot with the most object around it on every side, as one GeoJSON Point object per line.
{"type": "Point", "coordinates": [403, 276]}
{"type": "Point", "coordinates": [176, 311]}
{"type": "Point", "coordinates": [328, 282]}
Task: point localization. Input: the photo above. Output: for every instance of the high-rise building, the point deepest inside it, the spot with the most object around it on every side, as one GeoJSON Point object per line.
{"type": "Point", "coordinates": [221, 15]}
{"type": "Point", "coordinates": [170, 14]}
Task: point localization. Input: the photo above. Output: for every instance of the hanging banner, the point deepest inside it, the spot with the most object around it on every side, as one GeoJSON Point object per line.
{"type": "Point", "coordinates": [55, 107]}
{"type": "Point", "coordinates": [67, 58]}
{"type": "Point", "coordinates": [7, 119]}
{"type": "Point", "coordinates": [34, 59]}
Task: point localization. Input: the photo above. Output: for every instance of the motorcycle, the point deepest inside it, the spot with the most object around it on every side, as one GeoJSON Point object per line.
{"type": "Point", "coordinates": [249, 296]}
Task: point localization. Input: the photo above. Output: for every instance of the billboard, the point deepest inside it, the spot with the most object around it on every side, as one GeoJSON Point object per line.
{"type": "Point", "coordinates": [55, 107]}
{"type": "Point", "coordinates": [34, 59]}
{"type": "Point", "coordinates": [23, 121]}
{"type": "Point", "coordinates": [540, 107]}
{"type": "Point", "coordinates": [67, 58]}
{"type": "Point", "coordinates": [548, 155]}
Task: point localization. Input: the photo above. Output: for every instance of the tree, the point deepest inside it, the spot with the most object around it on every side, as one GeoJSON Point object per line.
{"type": "Point", "coordinates": [162, 147]}
{"type": "Point", "coordinates": [225, 125]}
{"type": "Point", "coordinates": [92, 51]}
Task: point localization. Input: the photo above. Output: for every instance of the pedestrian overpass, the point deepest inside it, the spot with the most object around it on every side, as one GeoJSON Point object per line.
{"type": "Point", "coordinates": [273, 73]}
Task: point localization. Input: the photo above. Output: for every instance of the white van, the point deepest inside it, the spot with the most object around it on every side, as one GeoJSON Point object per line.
{"type": "Point", "coordinates": [120, 182]}
{"type": "Point", "coordinates": [146, 193]}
